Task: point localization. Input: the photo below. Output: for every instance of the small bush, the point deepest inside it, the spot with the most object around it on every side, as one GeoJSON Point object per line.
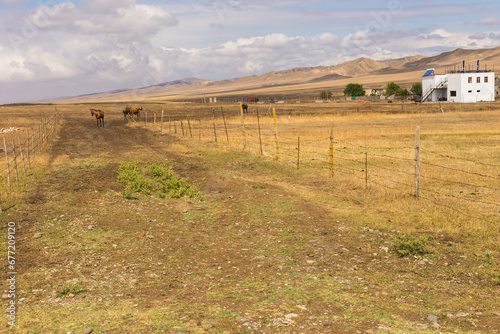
{"type": "Point", "coordinates": [406, 245]}
{"type": "Point", "coordinates": [157, 178]}
{"type": "Point", "coordinates": [71, 288]}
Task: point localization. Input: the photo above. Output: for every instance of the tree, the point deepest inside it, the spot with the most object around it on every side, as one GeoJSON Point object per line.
{"type": "Point", "coordinates": [354, 89]}
{"type": "Point", "coordinates": [416, 88]}
{"type": "Point", "coordinates": [325, 95]}
{"type": "Point", "coordinates": [402, 92]}
{"type": "Point", "coordinates": [392, 88]}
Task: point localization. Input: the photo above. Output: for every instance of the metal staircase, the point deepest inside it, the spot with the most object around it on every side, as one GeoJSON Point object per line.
{"type": "Point", "coordinates": [441, 84]}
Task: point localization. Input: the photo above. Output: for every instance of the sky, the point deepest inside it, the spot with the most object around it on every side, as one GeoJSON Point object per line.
{"type": "Point", "coordinates": [57, 48]}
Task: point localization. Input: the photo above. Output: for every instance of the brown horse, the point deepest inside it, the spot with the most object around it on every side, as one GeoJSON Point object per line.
{"type": "Point", "coordinates": [132, 111]}
{"type": "Point", "coordinates": [99, 115]}
{"type": "Point", "coordinates": [244, 107]}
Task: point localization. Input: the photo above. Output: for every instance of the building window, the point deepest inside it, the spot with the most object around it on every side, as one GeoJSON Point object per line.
{"type": "Point", "coordinates": [470, 91]}
{"type": "Point", "coordinates": [470, 79]}
{"type": "Point", "coordinates": [478, 80]}
{"type": "Point", "coordinates": [485, 79]}
{"type": "Point", "coordinates": [478, 91]}
{"type": "Point", "coordinates": [453, 93]}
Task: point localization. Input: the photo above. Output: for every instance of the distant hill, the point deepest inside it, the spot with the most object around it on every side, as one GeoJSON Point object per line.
{"type": "Point", "coordinates": [302, 80]}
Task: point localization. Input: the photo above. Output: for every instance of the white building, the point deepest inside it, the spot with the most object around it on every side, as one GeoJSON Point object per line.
{"type": "Point", "coordinates": [458, 87]}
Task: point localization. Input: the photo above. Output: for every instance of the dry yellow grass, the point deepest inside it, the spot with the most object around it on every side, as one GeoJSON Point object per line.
{"type": "Point", "coordinates": [459, 182]}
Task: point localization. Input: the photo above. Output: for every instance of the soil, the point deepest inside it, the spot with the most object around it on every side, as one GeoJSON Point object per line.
{"type": "Point", "coordinates": [253, 256]}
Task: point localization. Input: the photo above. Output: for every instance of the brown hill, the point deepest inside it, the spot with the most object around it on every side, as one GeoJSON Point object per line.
{"type": "Point", "coordinates": [304, 80]}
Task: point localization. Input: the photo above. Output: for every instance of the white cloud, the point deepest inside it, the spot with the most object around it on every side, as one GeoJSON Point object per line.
{"type": "Point", "coordinates": [104, 45]}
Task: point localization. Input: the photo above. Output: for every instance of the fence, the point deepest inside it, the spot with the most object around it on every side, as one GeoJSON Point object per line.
{"type": "Point", "coordinates": [404, 169]}
{"type": "Point", "coordinates": [20, 149]}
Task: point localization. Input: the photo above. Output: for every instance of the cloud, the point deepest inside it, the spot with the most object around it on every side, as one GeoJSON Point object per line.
{"type": "Point", "coordinates": [95, 45]}
{"type": "Point", "coordinates": [489, 21]}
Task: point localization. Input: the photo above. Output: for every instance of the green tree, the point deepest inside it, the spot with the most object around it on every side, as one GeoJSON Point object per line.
{"type": "Point", "coordinates": [354, 89]}
{"type": "Point", "coordinates": [325, 95]}
{"type": "Point", "coordinates": [392, 88]}
{"type": "Point", "coordinates": [402, 92]}
{"type": "Point", "coordinates": [416, 88]}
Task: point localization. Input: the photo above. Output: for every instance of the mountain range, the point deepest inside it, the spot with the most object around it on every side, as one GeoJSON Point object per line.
{"type": "Point", "coordinates": [303, 81]}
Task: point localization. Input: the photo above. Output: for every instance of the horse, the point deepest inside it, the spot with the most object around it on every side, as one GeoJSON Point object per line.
{"type": "Point", "coordinates": [244, 107]}
{"type": "Point", "coordinates": [99, 115]}
{"type": "Point", "coordinates": [131, 111]}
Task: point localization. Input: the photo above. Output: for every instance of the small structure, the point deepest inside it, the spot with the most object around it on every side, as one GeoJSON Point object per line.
{"type": "Point", "coordinates": [374, 91]}
{"type": "Point", "coordinates": [459, 86]}
{"type": "Point", "coordinates": [252, 99]}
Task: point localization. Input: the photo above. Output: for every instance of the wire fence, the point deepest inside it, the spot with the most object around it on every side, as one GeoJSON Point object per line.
{"type": "Point", "coordinates": [404, 169]}
{"type": "Point", "coordinates": [20, 149]}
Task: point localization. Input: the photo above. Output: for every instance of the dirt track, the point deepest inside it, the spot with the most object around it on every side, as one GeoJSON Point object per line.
{"type": "Point", "coordinates": [254, 256]}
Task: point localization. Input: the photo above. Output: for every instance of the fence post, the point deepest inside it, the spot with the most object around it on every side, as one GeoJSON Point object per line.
{"type": "Point", "coordinates": [189, 125]}
{"type": "Point", "coordinates": [276, 135]}
{"type": "Point", "coordinates": [15, 161]}
{"type": "Point", "coordinates": [39, 140]}
{"type": "Point", "coordinates": [22, 154]}
{"type": "Point", "coordinates": [243, 126]}
{"type": "Point", "coordinates": [260, 137]}
{"type": "Point", "coordinates": [182, 128]}
{"type": "Point", "coordinates": [28, 147]}
{"type": "Point", "coordinates": [215, 132]}
{"type": "Point", "coordinates": [199, 133]}
{"type": "Point", "coordinates": [161, 124]}
{"type": "Point", "coordinates": [7, 160]}
{"type": "Point", "coordinates": [225, 126]}
{"type": "Point", "coordinates": [417, 162]}
{"type": "Point", "coordinates": [154, 121]}
{"type": "Point", "coordinates": [331, 150]}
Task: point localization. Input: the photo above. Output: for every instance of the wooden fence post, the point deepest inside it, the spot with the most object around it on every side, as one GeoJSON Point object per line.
{"type": "Point", "coordinates": [243, 126]}
{"type": "Point", "coordinates": [417, 163]}
{"type": "Point", "coordinates": [33, 143]}
{"type": "Point", "coordinates": [260, 137]}
{"type": "Point", "coordinates": [154, 121]}
{"type": "Point", "coordinates": [225, 126]}
{"type": "Point", "coordinates": [7, 160]}
{"type": "Point", "coordinates": [189, 125]}
{"type": "Point", "coordinates": [28, 147]}
{"type": "Point", "coordinates": [276, 135]}
{"type": "Point", "coordinates": [22, 154]}
{"type": "Point", "coordinates": [199, 133]}
{"type": "Point", "coordinates": [15, 161]}
{"type": "Point", "coordinates": [39, 140]}
{"type": "Point", "coordinates": [161, 124]}
{"type": "Point", "coordinates": [215, 131]}
{"type": "Point", "coordinates": [331, 150]}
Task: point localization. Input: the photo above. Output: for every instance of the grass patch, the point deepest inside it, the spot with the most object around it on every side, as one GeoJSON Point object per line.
{"type": "Point", "coordinates": [73, 288]}
{"type": "Point", "coordinates": [157, 179]}
{"type": "Point", "coordinates": [406, 245]}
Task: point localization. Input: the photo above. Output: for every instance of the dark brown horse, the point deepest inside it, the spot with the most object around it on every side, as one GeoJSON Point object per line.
{"type": "Point", "coordinates": [244, 107]}
{"type": "Point", "coordinates": [99, 115]}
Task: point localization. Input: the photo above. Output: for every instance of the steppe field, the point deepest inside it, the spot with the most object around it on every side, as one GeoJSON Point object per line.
{"type": "Point", "coordinates": [335, 217]}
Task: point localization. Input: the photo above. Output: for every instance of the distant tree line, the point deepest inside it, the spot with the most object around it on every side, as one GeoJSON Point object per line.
{"type": "Point", "coordinates": [354, 89]}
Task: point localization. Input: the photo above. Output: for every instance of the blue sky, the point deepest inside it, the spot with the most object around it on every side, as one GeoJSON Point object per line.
{"type": "Point", "coordinates": [52, 48]}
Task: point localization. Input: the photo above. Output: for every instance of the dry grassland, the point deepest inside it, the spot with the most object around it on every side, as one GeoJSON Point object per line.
{"type": "Point", "coordinates": [298, 231]}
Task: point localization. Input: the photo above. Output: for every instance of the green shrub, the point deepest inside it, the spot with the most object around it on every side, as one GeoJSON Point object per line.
{"type": "Point", "coordinates": [73, 288]}
{"type": "Point", "coordinates": [156, 179]}
{"type": "Point", "coordinates": [406, 245]}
